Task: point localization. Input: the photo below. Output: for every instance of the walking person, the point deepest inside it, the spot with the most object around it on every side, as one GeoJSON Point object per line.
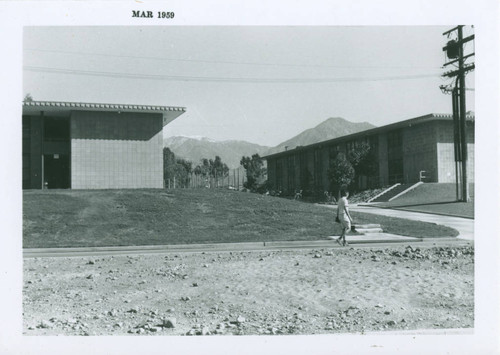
{"type": "Point", "coordinates": [343, 215]}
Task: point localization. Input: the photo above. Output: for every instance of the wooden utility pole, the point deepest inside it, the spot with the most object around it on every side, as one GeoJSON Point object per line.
{"type": "Point", "coordinates": [455, 50]}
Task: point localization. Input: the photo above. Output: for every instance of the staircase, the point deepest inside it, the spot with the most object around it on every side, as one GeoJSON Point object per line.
{"type": "Point", "coordinates": [368, 228]}
{"type": "Point", "coordinates": [394, 192]}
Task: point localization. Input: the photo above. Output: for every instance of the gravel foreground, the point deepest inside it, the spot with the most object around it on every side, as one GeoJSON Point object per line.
{"type": "Point", "coordinates": [322, 291]}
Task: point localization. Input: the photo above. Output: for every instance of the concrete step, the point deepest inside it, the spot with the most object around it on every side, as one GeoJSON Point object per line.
{"type": "Point", "coordinates": [372, 225]}
{"type": "Point", "coordinates": [392, 193]}
{"type": "Point", "coordinates": [368, 230]}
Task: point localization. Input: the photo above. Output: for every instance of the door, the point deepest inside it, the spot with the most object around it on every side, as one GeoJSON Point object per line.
{"type": "Point", "coordinates": [56, 171]}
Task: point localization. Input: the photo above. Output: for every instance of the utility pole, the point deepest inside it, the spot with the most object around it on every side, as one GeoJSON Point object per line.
{"type": "Point", "coordinates": [455, 50]}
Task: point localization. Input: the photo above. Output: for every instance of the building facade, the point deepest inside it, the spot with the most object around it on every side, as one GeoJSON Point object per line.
{"type": "Point", "coordinates": [93, 146]}
{"type": "Point", "coordinates": [409, 151]}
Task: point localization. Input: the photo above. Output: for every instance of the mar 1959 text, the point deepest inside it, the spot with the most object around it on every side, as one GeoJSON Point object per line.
{"type": "Point", "coordinates": [151, 14]}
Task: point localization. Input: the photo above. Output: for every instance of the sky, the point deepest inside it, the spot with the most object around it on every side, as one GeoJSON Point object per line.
{"type": "Point", "coordinates": [261, 84]}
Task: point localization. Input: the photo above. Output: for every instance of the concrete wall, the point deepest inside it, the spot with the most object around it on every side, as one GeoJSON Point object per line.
{"type": "Point", "coordinates": [420, 152]}
{"type": "Point", "coordinates": [446, 153]}
{"type": "Point", "coordinates": [111, 150]}
{"type": "Point", "coordinates": [446, 157]}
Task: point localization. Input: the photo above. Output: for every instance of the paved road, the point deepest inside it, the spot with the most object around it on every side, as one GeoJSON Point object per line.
{"type": "Point", "coordinates": [465, 226]}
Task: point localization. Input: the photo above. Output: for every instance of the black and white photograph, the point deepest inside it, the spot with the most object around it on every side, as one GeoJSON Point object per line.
{"type": "Point", "coordinates": [230, 185]}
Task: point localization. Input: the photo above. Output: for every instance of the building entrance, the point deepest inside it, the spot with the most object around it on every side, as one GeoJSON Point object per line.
{"type": "Point", "coordinates": [56, 171]}
{"type": "Point", "coordinates": [56, 153]}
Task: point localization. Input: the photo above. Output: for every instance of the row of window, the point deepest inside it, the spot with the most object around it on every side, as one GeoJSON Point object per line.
{"type": "Point", "coordinates": [311, 175]}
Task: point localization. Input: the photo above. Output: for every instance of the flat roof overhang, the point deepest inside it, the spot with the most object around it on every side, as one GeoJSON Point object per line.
{"type": "Point", "coordinates": [64, 109]}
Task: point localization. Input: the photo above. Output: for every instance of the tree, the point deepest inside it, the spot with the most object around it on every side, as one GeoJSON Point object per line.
{"type": "Point", "coordinates": [357, 153]}
{"type": "Point", "coordinates": [183, 170]}
{"type": "Point", "coordinates": [178, 170]}
{"type": "Point", "coordinates": [203, 169]}
{"type": "Point", "coordinates": [255, 171]}
{"type": "Point", "coordinates": [212, 169]}
{"type": "Point", "coordinates": [218, 169]}
{"type": "Point", "coordinates": [360, 161]}
{"type": "Point", "coordinates": [363, 159]}
{"type": "Point", "coordinates": [341, 172]}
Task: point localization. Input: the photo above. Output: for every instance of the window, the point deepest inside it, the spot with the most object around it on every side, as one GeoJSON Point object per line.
{"type": "Point", "coordinates": [56, 129]}
{"type": "Point", "coordinates": [395, 156]}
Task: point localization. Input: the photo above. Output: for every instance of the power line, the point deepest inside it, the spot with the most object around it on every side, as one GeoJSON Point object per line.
{"type": "Point", "coordinates": [230, 62]}
{"type": "Point", "coordinates": [224, 79]}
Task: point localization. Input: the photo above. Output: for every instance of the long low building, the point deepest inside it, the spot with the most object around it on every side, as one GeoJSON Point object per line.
{"type": "Point", "coordinates": [93, 146]}
{"type": "Point", "coordinates": [405, 152]}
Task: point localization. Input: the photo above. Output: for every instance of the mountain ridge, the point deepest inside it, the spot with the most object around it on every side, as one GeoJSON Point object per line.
{"type": "Point", "coordinates": [231, 151]}
{"type": "Point", "coordinates": [195, 149]}
{"type": "Point", "coordinates": [331, 128]}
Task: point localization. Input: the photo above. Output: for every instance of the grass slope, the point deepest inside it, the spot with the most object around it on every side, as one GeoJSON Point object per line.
{"type": "Point", "coordinates": [435, 198]}
{"type": "Point", "coordinates": [68, 218]}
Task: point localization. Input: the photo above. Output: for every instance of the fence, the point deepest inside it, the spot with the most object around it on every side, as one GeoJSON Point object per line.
{"type": "Point", "coordinates": [233, 180]}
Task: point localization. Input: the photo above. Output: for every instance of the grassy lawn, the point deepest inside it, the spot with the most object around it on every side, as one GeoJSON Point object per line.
{"type": "Point", "coordinates": [435, 198]}
{"type": "Point", "coordinates": [73, 218]}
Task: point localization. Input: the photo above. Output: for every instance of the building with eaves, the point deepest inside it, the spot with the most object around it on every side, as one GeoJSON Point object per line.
{"type": "Point", "coordinates": [93, 146]}
{"type": "Point", "coordinates": [408, 151]}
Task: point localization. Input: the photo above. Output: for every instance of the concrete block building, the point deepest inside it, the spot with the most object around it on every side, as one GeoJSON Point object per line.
{"type": "Point", "coordinates": [93, 146]}
{"type": "Point", "coordinates": [403, 152]}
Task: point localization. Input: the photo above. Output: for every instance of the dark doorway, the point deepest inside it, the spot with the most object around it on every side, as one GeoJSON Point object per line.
{"type": "Point", "coordinates": [56, 171]}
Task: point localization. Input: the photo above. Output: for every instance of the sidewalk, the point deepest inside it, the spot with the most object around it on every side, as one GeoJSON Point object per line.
{"type": "Point", "coordinates": [465, 226]}
{"type": "Point", "coordinates": [371, 240]}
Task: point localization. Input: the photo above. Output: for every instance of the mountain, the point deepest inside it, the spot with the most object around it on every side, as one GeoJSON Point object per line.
{"type": "Point", "coordinates": [194, 149]}
{"type": "Point", "coordinates": [331, 128]}
{"type": "Point", "coordinates": [231, 151]}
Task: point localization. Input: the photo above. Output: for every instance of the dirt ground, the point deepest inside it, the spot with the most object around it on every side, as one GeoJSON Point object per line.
{"type": "Point", "coordinates": [338, 290]}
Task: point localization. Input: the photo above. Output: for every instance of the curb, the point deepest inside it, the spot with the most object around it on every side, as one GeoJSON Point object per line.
{"type": "Point", "coordinates": [221, 247]}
